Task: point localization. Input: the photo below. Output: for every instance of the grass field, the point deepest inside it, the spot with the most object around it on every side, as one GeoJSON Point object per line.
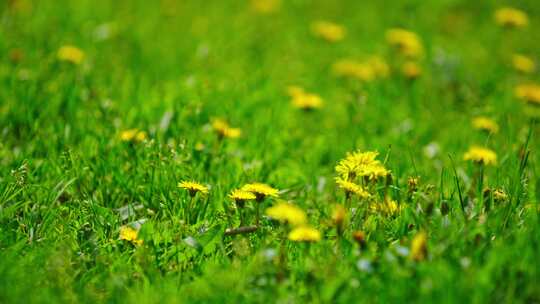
{"type": "Point", "coordinates": [269, 151]}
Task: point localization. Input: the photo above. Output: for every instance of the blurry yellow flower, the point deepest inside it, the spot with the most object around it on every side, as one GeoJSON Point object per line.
{"type": "Point", "coordinates": [481, 155]}
{"type": "Point", "coordinates": [379, 66]}
{"type": "Point", "coordinates": [265, 6]}
{"type": "Point", "coordinates": [133, 135]}
{"type": "Point", "coordinates": [193, 187]}
{"type": "Point", "coordinates": [129, 234]}
{"type": "Point", "coordinates": [387, 207]}
{"type": "Point", "coordinates": [287, 213]}
{"type": "Point", "coordinates": [411, 70]}
{"type": "Point", "coordinates": [222, 128]}
{"type": "Point", "coordinates": [419, 247]}
{"type": "Point", "coordinates": [351, 188]}
{"type": "Point", "coordinates": [529, 92]}
{"type": "Point", "coordinates": [353, 69]}
{"type": "Point", "coordinates": [71, 54]}
{"type": "Point", "coordinates": [307, 101]}
{"type": "Point", "coordinates": [407, 42]}
{"type": "Point", "coordinates": [511, 17]}
{"type": "Point", "coordinates": [523, 63]}
{"type": "Point", "coordinates": [305, 234]}
{"type": "Point", "coordinates": [339, 214]}
{"type": "Point", "coordinates": [328, 30]}
{"type": "Point", "coordinates": [260, 190]}
{"type": "Point", "coordinates": [485, 124]}
{"type": "Point", "coordinates": [240, 195]}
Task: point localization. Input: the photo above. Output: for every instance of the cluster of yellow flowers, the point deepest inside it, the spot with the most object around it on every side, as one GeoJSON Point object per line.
{"type": "Point", "coordinates": [133, 135]}
{"type": "Point", "coordinates": [223, 129]}
{"type": "Point", "coordinates": [290, 214]}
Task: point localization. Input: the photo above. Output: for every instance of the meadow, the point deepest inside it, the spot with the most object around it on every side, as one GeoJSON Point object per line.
{"type": "Point", "coordinates": [293, 151]}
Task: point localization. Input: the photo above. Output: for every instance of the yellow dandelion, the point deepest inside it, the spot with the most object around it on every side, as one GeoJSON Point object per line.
{"type": "Point", "coordinates": [529, 92]}
{"type": "Point", "coordinates": [131, 235]}
{"type": "Point", "coordinates": [287, 213]}
{"type": "Point", "coordinates": [485, 124]}
{"type": "Point", "coordinates": [361, 164]}
{"type": "Point", "coordinates": [223, 129]}
{"type": "Point", "coordinates": [307, 101]}
{"type": "Point", "coordinates": [70, 54]}
{"type": "Point", "coordinates": [240, 195]}
{"type": "Point", "coordinates": [411, 70]}
{"type": "Point", "coordinates": [511, 17]}
{"type": "Point", "coordinates": [329, 31]}
{"type": "Point", "coordinates": [193, 187]}
{"type": "Point", "coordinates": [406, 42]}
{"type": "Point", "coordinates": [481, 155]}
{"type": "Point", "coordinates": [419, 247]}
{"type": "Point", "coordinates": [353, 69]}
{"type": "Point", "coordinates": [339, 214]}
{"type": "Point", "coordinates": [351, 188]}
{"type": "Point", "coordinates": [265, 6]}
{"type": "Point", "coordinates": [133, 135]}
{"type": "Point", "coordinates": [304, 234]}
{"type": "Point", "coordinates": [387, 207]}
{"type": "Point", "coordinates": [523, 64]}
{"type": "Point", "coordinates": [260, 190]}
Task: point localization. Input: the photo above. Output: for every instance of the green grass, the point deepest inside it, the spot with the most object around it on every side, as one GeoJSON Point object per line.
{"type": "Point", "coordinates": [168, 68]}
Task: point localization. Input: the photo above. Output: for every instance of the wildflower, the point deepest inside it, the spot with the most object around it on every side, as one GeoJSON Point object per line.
{"type": "Point", "coordinates": [419, 247]}
{"type": "Point", "coordinates": [131, 235]}
{"type": "Point", "coordinates": [328, 30]}
{"type": "Point", "coordinates": [361, 164]}
{"type": "Point", "coordinates": [523, 64]}
{"type": "Point", "coordinates": [193, 187]}
{"type": "Point", "coordinates": [307, 101]}
{"type": "Point", "coordinates": [240, 196]}
{"type": "Point", "coordinates": [379, 66]}
{"type": "Point", "coordinates": [388, 207]}
{"type": "Point", "coordinates": [529, 92]}
{"type": "Point", "coordinates": [511, 17]}
{"type": "Point", "coordinates": [339, 214]}
{"type": "Point", "coordinates": [223, 129]}
{"type": "Point", "coordinates": [353, 69]}
{"type": "Point", "coordinates": [287, 213]}
{"type": "Point", "coordinates": [485, 124]}
{"type": "Point", "coordinates": [406, 42]}
{"type": "Point", "coordinates": [260, 190]}
{"type": "Point", "coordinates": [351, 188]}
{"type": "Point", "coordinates": [499, 195]}
{"type": "Point", "coordinates": [71, 54]}
{"type": "Point", "coordinates": [411, 70]}
{"type": "Point", "coordinates": [133, 135]}
{"type": "Point", "coordinates": [265, 6]}
{"type": "Point", "coordinates": [481, 155]}
{"type": "Point", "coordinates": [305, 234]}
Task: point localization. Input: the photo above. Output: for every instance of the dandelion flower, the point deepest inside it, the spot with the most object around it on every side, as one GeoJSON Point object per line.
{"type": "Point", "coordinates": [419, 247]}
{"type": "Point", "coordinates": [351, 188]}
{"type": "Point", "coordinates": [361, 164]}
{"type": "Point", "coordinates": [193, 187]}
{"type": "Point", "coordinates": [305, 234]}
{"type": "Point", "coordinates": [133, 135]}
{"type": "Point", "coordinates": [353, 69]}
{"type": "Point", "coordinates": [129, 234]}
{"type": "Point", "coordinates": [388, 207]}
{"type": "Point", "coordinates": [529, 92]}
{"type": "Point", "coordinates": [328, 30]}
{"type": "Point", "coordinates": [287, 213]}
{"type": "Point", "coordinates": [481, 155]}
{"type": "Point", "coordinates": [406, 42]}
{"type": "Point", "coordinates": [339, 214]}
{"type": "Point", "coordinates": [411, 70]}
{"type": "Point", "coordinates": [511, 17]}
{"type": "Point", "coordinates": [523, 64]}
{"type": "Point", "coordinates": [223, 129]}
{"type": "Point", "coordinates": [485, 124]}
{"type": "Point", "coordinates": [307, 101]}
{"type": "Point", "coordinates": [260, 190]}
{"type": "Point", "coordinates": [70, 54]}
{"type": "Point", "coordinates": [240, 195]}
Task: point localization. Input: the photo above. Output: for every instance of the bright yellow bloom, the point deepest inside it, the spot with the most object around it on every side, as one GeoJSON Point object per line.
{"type": "Point", "coordinates": [261, 190]}
{"type": "Point", "coordinates": [481, 155]}
{"type": "Point", "coordinates": [511, 17]}
{"type": "Point", "coordinates": [419, 247]}
{"type": "Point", "coordinates": [523, 63]}
{"type": "Point", "coordinates": [193, 187]}
{"type": "Point", "coordinates": [133, 135]}
{"type": "Point", "coordinates": [71, 54]}
{"type": "Point", "coordinates": [411, 70]}
{"type": "Point", "coordinates": [485, 124]}
{"type": "Point", "coordinates": [407, 42]}
{"type": "Point", "coordinates": [222, 128]}
{"type": "Point", "coordinates": [351, 188]}
{"type": "Point", "coordinates": [305, 234]}
{"type": "Point", "coordinates": [241, 195]}
{"type": "Point", "coordinates": [361, 164]}
{"type": "Point", "coordinates": [328, 30]}
{"type": "Point", "coordinates": [307, 101]}
{"type": "Point", "coordinates": [529, 92]}
{"type": "Point", "coordinates": [353, 69]}
{"type": "Point", "coordinates": [129, 234]}
{"type": "Point", "coordinates": [287, 213]}
{"type": "Point", "coordinates": [265, 6]}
